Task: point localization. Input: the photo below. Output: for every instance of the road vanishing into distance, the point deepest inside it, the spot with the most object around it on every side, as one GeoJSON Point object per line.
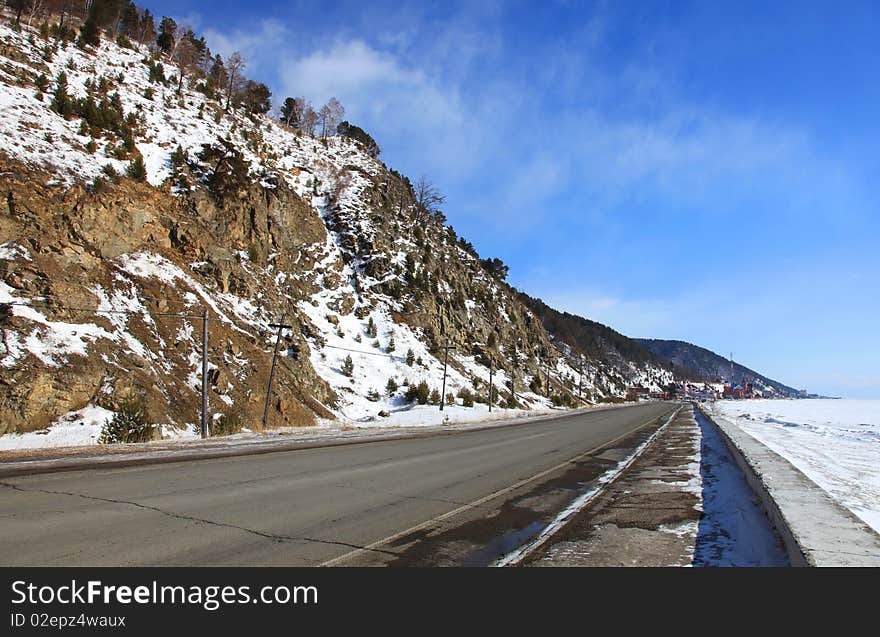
{"type": "Point", "coordinates": [459, 498]}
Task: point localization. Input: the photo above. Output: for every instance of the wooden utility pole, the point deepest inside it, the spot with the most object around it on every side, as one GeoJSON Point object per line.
{"type": "Point", "coordinates": [491, 366]}
{"type": "Point", "coordinates": [547, 374]}
{"type": "Point", "coordinates": [581, 386]}
{"type": "Point", "coordinates": [445, 349]}
{"type": "Point", "coordinates": [205, 429]}
{"type": "Point", "coordinates": [513, 377]}
{"type": "Point", "coordinates": [280, 325]}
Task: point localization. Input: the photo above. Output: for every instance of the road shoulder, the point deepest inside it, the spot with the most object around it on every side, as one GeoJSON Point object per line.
{"type": "Point", "coordinates": [682, 502]}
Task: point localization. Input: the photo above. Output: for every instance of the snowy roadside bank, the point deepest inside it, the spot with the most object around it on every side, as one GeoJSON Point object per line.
{"type": "Point", "coordinates": [835, 443]}
{"type": "Point", "coordinates": [83, 427]}
{"type": "Point", "coordinates": [816, 529]}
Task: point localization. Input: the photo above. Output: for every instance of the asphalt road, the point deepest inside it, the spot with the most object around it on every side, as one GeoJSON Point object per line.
{"type": "Point", "coordinates": [304, 507]}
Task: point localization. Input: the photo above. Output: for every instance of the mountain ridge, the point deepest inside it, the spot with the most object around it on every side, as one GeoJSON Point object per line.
{"type": "Point", "coordinates": [699, 363]}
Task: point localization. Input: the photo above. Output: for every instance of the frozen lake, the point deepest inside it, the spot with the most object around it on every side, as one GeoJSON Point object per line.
{"type": "Point", "coordinates": [836, 443]}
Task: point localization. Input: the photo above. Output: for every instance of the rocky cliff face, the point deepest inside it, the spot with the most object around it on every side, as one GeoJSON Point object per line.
{"type": "Point", "coordinates": [135, 249]}
{"type": "Point", "coordinates": [103, 278]}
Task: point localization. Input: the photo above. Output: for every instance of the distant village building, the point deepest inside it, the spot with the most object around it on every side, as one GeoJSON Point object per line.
{"type": "Point", "coordinates": [637, 393]}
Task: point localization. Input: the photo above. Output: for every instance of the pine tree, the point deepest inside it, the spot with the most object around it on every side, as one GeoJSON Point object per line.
{"type": "Point", "coordinates": [257, 97]}
{"type": "Point", "coordinates": [89, 34]}
{"type": "Point", "coordinates": [410, 357]}
{"type": "Point", "coordinates": [146, 29]}
{"type": "Point", "coordinates": [391, 386]}
{"type": "Point", "coordinates": [167, 30]}
{"type": "Point", "coordinates": [130, 20]}
{"type": "Point", "coordinates": [136, 169]}
{"type": "Point", "coordinates": [348, 366]}
{"type": "Point", "coordinates": [178, 157]}
{"type": "Point", "coordinates": [61, 102]}
{"type": "Point", "coordinates": [371, 328]}
{"type": "Point", "coordinates": [290, 112]}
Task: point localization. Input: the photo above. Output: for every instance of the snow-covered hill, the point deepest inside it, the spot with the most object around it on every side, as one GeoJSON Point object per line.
{"type": "Point", "coordinates": [318, 232]}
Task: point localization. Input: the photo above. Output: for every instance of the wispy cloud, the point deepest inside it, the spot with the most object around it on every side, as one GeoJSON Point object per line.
{"type": "Point", "coordinates": [261, 45]}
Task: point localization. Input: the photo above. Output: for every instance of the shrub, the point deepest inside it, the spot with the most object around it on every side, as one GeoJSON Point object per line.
{"type": "Point", "coordinates": [129, 424]}
{"type": "Point", "coordinates": [371, 328]}
{"type": "Point", "coordinates": [467, 397]}
{"type": "Point", "coordinates": [434, 398]}
{"type": "Point", "coordinates": [373, 396]}
{"type": "Point", "coordinates": [110, 172]}
{"type": "Point", "coordinates": [535, 385]}
{"type": "Point", "coordinates": [230, 422]}
{"type": "Point", "coordinates": [391, 345]}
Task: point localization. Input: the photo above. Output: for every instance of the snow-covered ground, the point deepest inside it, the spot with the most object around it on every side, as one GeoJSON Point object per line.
{"type": "Point", "coordinates": [836, 443]}
{"type": "Point", "coordinates": [83, 427]}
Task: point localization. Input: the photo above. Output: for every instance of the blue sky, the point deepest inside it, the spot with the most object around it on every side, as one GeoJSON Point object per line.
{"type": "Point", "coordinates": [686, 170]}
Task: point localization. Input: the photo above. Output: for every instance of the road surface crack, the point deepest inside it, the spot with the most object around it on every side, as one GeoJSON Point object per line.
{"type": "Point", "coordinates": [191, 518]}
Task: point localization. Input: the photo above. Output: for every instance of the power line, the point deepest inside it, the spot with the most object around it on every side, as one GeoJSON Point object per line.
{"type": "Point", "coordinates": [360, 351]}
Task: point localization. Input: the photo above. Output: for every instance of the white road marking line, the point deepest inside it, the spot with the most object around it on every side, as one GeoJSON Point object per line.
{"type": "Point", "coordinates": [418, 527]}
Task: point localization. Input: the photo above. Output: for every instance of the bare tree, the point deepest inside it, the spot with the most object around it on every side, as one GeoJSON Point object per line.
{"type": "Point", "coordinates": [324, 118]}
{"type": "Point", "coordinates": [291, 112]}
{"type": "Point", "coordinates": [19, 6]}
{"type": "Point", "coordinates": [60, 8]}
{"type": "Point", "coordinates": [235, 70]}
{"type": "Point", "coordinates": [330, 115]}
{"type": "Point", "coordinates": [187, 56]}
{"type": "Point", "coordinates": [309, 120]}
{"type": "Point", "coordinates": [428, 200]}
{"type": "Point", "coordinates": [35, 10]}
{"type": "Point", "coordinates": [300, 104]}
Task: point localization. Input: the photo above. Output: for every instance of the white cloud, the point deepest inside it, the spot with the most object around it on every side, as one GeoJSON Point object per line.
{"type": "Point", "coordinates": [260, 46]}
{"type": "Point", "coordinates": [381, 92]}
